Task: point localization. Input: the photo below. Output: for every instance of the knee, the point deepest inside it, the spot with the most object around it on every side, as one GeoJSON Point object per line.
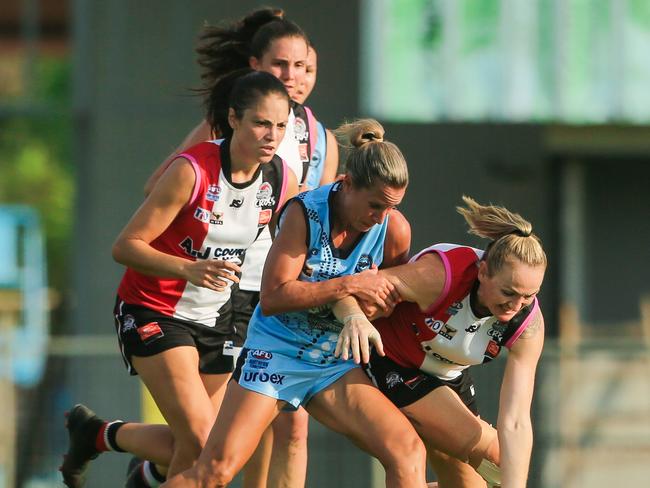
{"type": "Point", "coordinates": [406, 454]}
{"type": "Point", "coordinates": [483, 444]}
{"type": "Point", "coordinates": [193, 438]}
{"type": "Point", "coordinates": [291, 427]}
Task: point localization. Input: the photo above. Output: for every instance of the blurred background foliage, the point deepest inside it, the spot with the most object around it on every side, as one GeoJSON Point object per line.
{"type": "Point", "coordinates": [36, 166]}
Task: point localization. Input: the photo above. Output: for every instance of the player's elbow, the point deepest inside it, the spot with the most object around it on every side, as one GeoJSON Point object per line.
{"type": "Point", "coordinates": [121, 250]}
{"type": "Point", "coordinates": [516, 424]}
{"type": "Point", "coordinates": [268, 304]}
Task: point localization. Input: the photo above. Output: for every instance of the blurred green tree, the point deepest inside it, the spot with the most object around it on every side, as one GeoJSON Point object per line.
{"type": "Point", "coordinates": [36, 166]}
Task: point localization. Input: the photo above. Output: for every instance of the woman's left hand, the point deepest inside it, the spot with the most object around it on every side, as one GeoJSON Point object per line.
{"type": "Point", "coordinates": [357, 335]}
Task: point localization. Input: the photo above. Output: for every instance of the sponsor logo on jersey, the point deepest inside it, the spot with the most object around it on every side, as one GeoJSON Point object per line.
{"type": "Point", "coordinates": [439, 357]}
{"type": "Point", "coordinates": [454, 308]}
{"type": "Point", "coordinates": [213, 193]}
{"type": "Point", "coordinates": [150, 332]}
{"type": "Point", "coordinates": [473, 328]}
{"type": "Point", "coordinates": [364, 262]}
{"type": "Point", "coordinates": [433, 324]}
{"type": "Point", "coordinates": [225, 253]}
{"type": "Point", "coordinates": [216, 218]}
{"type": "Point", "coordinates": [447, 332]}
{"type": "Point", "coordinates": [492, 349]}
{"type": "Point", "coordinates": [496, 331]}
{"type": "Point", "coordinates": [303, 152]}
{"type": "Point", "coordinates": [264, 217]}
{"type": "Point", "coordinates": [128, 323]}
{"type": "Point", "coordinates": [393, 379]}
{"type": "Point", "coordinates": [202, 215]}
{"type": "Point", "coordinates": [261, 354]}
{"type": "Point", "coordinates": [261, 377]}
{"type": "Point", "coordinates": [257, 364]}
{"type": "Point", "coordinates": [300, 130]}
{"type": "Point", "coordinates": [265, 196]}
{"type": "Point", "coordinates": [237, 202]}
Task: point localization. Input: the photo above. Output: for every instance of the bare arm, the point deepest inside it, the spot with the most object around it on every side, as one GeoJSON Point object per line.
{"type": "Point", "coordinates": [132, 247]}
{"type": "Point", "coordinates": [283, 292]}
{"type": "Point", "coordinates": [514, 426]}
{"type": "Point", "coordinates": [200, 133]}
{"type": "Point", "coordinates": [331, 163]}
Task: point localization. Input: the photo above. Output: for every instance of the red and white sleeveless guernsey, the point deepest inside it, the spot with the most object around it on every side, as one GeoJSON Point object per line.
{"type": "Point", "coordinates": [447, 337]}
{"type": "Point", "coordinates": [221, 221]}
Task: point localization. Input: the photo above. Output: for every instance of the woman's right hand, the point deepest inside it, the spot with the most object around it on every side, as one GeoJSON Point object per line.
{"type": "Point", "coordinates": [212, 273]}
{"type": "Point", "coordinates": [371, 286]}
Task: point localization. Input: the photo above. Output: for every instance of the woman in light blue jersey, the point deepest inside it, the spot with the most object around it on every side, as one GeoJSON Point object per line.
{"type": "Point", "coordinates": [330, 243]}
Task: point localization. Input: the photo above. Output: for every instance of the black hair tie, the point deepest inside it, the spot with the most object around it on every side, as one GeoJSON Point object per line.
{"type": "Point", "coordinates": [521, 233]}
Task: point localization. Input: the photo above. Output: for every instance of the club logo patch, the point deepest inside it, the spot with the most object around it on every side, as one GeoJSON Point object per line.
{"type": "Point", "coordinates": [213, 193]}
{"type": "Point", "coordinates": [393, 379]}
{"type": "Point", "coordinates": [264, 196]}
{"type": "Point", "coordinates": [364, 262]}
{"type": "Point", "coordinates": [128, 323]}
{"type": "Point", "coordinates": [260, 354]}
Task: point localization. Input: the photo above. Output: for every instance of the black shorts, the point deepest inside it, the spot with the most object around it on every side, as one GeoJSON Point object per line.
{"type": "Point", "coordinates": [243, 306]}
{"type": "Point", "coordinates": [143, 332]}
{"type": "Point", "coordinates": [404, 386]}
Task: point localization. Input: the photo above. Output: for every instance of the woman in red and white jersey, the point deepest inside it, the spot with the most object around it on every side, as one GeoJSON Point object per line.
{"type": "Point", "coordinates": [266, 40]}
{"type": "Point", "coordinates": [461, 307]}
{"type": "Point", "coordinates": [182, 249]}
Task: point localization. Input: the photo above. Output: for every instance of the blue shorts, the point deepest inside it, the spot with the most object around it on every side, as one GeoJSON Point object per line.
{"type": "Point", "coordinates": [285, 378]}
{"type": "Point", "coordinates": [288, 359]}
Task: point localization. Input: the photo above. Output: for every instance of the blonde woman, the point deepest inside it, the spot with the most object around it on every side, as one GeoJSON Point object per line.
{"type": "Point", "coordinates": [329, 244]}
{"type": "Point", "coordinates": [461, 307]}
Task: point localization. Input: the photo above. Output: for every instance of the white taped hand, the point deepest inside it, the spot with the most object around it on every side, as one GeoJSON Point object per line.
{"type": "Point", "coordinates": [356, 336]}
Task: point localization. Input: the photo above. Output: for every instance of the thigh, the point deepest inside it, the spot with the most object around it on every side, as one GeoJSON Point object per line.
{"type": "Point", "coordinates": [242, 419]}
{"type": "Point", "coordinates": [354, 407]}
{"type": "Point", "coordinates": [445, 423]}
{"type": "Point", "coordinates": [173, 379]}
{"type": "Point", "coordinates": [215, 386]}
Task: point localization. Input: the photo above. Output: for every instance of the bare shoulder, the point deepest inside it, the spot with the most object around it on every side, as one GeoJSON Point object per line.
{"type": "Point", "coordinates": [398, 224]}
{"type": "Point", "coordinates": [536, 326]}
{"type": "Point", "coordinates": [398, 240]}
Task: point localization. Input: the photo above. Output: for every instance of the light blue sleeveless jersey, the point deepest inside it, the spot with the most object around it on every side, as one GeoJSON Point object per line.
{"type": "Point", "coordinates": [298, 347]}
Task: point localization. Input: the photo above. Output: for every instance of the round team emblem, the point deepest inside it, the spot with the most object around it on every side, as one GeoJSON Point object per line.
{"type": "Point", "coordinates": [365, 261]}
{"type": "Point", "coordinates": [300, 129]}
{"type": "Point", "coordinates": [265, 191]}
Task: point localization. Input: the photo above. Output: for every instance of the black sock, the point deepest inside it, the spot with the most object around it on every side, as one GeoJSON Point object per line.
{"type": "Point", "coordinates": [111, 435]}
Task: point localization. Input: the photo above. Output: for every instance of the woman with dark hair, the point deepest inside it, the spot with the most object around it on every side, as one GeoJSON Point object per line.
{"type": "Point", "coordinates": [183, 249]}
{"type": "Point", "coordinates": [461, 307]}
{"type": "Point", "coordinates": [266, 41]}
